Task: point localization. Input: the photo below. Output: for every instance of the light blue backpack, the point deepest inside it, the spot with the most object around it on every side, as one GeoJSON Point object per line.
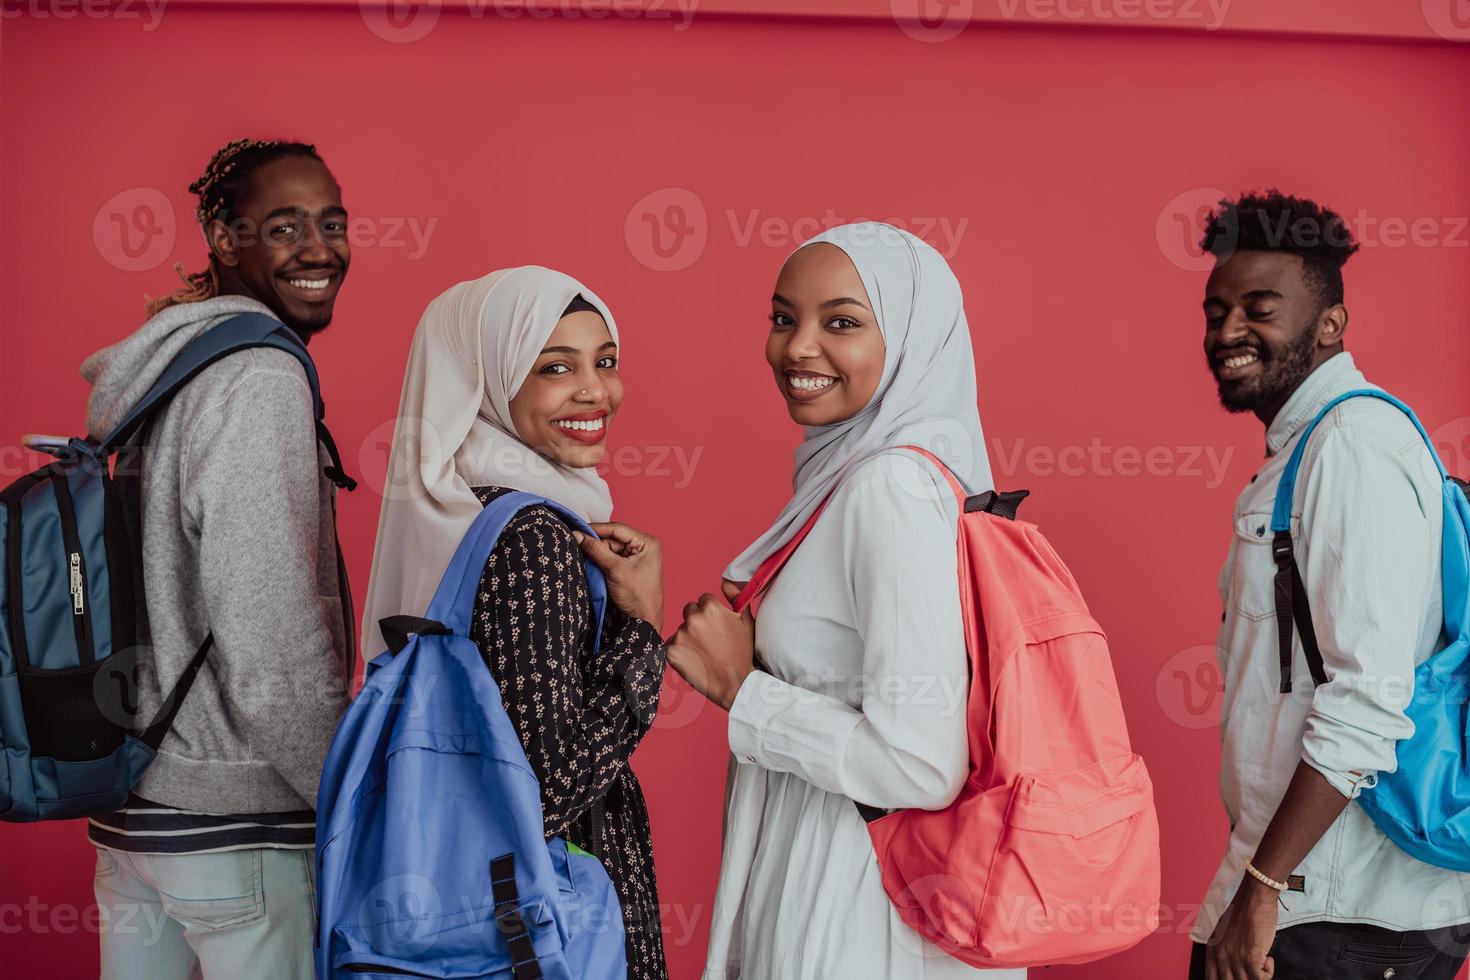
{"type": "Point", "coordinates": [1424, 805]}
{"type": "Point", "coordinates": [431, 853]}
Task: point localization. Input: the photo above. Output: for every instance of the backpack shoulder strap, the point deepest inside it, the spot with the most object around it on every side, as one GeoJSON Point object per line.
{"type": "Point", "coordinates": [1291, 595]}
{"type": "Point", "coordinates": [772, 566]}
{"type": "Point", "coordinates": [1281, 512]}
{"type": "Point", "coordinates": [238, 333]}
{"type": "Point", "coordinates": [454, 600]}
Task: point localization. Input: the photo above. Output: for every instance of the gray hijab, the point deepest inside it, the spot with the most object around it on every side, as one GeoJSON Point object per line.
{"type": "Point", "coordinates": [926, 396]}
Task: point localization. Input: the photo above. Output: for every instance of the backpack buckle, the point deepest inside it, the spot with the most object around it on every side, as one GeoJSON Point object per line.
{"type": "Point", "coordinates": [1281, 549]}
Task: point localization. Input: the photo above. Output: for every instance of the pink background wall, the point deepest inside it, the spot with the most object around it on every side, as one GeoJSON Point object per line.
{"type": "Point", "coordinates": [1057, 160]}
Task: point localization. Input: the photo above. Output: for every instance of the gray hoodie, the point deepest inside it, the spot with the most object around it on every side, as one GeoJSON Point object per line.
{"type": "Point", "coordinates": [239, 537]}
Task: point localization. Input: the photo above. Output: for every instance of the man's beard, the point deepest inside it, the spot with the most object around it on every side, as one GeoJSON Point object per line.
{"type": "Point", "coordinates": [1282, 370]}
{"type": "Point", "coordinates": [306, 328]}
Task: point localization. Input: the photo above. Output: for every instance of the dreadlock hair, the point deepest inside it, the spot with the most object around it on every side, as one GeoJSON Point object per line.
{"type": "Point", "coordinates": [1270, 221]}
{"type": "Point", "coordinates": [222, 189]}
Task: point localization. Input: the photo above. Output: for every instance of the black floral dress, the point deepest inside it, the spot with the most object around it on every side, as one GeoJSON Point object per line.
{"type": "Point", "coordinates": [579, 716]}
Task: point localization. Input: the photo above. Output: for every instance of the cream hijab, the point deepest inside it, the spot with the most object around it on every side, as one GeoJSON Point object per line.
{"type": "Point", "coordinates": [472, 351]}
{"type": "Point", "coordinates": [926, 396]}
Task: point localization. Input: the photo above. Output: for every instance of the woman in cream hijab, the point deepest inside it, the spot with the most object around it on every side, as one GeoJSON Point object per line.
{"type": "Point", "coordinates": [512, 384]}
{"type": "Point", "coordinates": [860, 694]}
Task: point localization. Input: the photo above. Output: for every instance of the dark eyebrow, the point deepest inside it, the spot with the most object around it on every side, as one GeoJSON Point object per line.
{"type": "Point", "coordinates": [1246, 297]}
{"type": "Point", "coordinates": [334, 209]}
{"type": "Point", "coordinates": [573, 350]}
{"type": "Point", "coordinates": [839, 301]}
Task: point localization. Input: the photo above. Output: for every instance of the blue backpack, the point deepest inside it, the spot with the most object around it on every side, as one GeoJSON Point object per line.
{"type": "Point", "coordinates": [71, 603]}
{"type": "Point", "coordinates": [1424, 805]}
{"type": "Point", "coordinates": [432, 859]}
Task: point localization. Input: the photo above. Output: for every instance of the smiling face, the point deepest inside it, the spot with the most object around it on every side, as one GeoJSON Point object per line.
{"type": "Point", "coordinates": [1265, 330]}
{"type": "Point", "coordinates": [825, 348]}
{"type": "Point", "coordinates": [566, 405]}
{"type": "Point", "coordinates": [286, 244]}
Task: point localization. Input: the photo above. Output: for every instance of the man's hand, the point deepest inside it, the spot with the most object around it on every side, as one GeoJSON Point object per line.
{"type": "Point", "coordinates": [1240, 948]}
{"type": "Point", "coordinates": [714, 651]}
{"type": "Point", "coordinates": [1244, 936]}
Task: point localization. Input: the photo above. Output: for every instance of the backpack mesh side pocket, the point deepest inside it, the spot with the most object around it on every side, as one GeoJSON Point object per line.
{"type": "Point", "coordinates": [65, 717]}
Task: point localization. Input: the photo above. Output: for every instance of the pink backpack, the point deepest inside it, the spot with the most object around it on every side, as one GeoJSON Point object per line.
{"type": "Point", "coordinates": [1050, 853]}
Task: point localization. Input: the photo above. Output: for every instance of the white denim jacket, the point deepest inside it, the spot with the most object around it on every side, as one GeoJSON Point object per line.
{"type": "Point", "coordinates": [1366, 521]}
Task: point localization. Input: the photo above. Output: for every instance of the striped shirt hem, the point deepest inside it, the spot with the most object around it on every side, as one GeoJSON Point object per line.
{"type": "Point", "coordinates": [143, 827]}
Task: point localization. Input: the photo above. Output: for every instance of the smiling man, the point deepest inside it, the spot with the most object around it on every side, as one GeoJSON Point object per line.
{"type": "Point", "coordinates": [1309, 887]}
{"type": "Point", "coordinates": [214, 852]}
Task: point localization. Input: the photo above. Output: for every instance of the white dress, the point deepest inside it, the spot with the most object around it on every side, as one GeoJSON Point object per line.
{"type": "Point", "coordinates": [865, 700]}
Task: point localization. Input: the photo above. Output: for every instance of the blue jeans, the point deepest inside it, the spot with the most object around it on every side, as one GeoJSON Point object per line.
{"type": "Point", "coordinates": [234, 914]}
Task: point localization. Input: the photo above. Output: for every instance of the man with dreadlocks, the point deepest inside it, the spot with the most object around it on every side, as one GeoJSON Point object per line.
{"type": "Point", "coordinates": [215, 848]}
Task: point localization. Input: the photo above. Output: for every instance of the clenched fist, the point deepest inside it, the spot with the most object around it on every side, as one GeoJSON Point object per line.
{"type": "Point", "coordinates": [714, 651]}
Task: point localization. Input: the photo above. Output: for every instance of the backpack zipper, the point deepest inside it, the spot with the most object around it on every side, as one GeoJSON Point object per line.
{"type": "Point", "coordinates": [81, 612]}
{"type": "Point", "coordinates": [15, 602]}
{"type": "Point", "coordinates": [370, 968]}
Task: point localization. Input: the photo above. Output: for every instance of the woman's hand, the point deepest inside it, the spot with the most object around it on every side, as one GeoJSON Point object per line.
{"type": "Point", "coordinates": [633, 563]}
{"type": "Point", "coordinates": [714, 651]}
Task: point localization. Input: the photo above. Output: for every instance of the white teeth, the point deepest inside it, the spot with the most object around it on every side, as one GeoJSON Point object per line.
{"type": "Point", "coordinates": [1241, 360]}
{"type": "Point", "coordinates": [811, 384]}
{"type": "Point", "coordinates": [592, 425]}
{"type": "Point", "coordinates": [309, 283]}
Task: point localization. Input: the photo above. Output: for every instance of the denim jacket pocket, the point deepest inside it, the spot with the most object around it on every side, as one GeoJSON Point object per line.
{"type": "Point", "coordinates": [1251, 585]}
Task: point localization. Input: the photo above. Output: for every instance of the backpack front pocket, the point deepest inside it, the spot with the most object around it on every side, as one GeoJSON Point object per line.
{"type": "Point", "coordinates": [1068, 864]}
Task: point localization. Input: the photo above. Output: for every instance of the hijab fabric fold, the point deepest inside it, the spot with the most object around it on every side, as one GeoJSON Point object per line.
{"type": "Point", "coordinates": [473, 349]}
{"type": "Point", "coordinates": [926, 395]}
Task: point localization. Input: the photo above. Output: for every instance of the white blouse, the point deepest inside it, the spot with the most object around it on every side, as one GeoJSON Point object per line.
{"type": "Point", "coordinates": [865, 700]}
